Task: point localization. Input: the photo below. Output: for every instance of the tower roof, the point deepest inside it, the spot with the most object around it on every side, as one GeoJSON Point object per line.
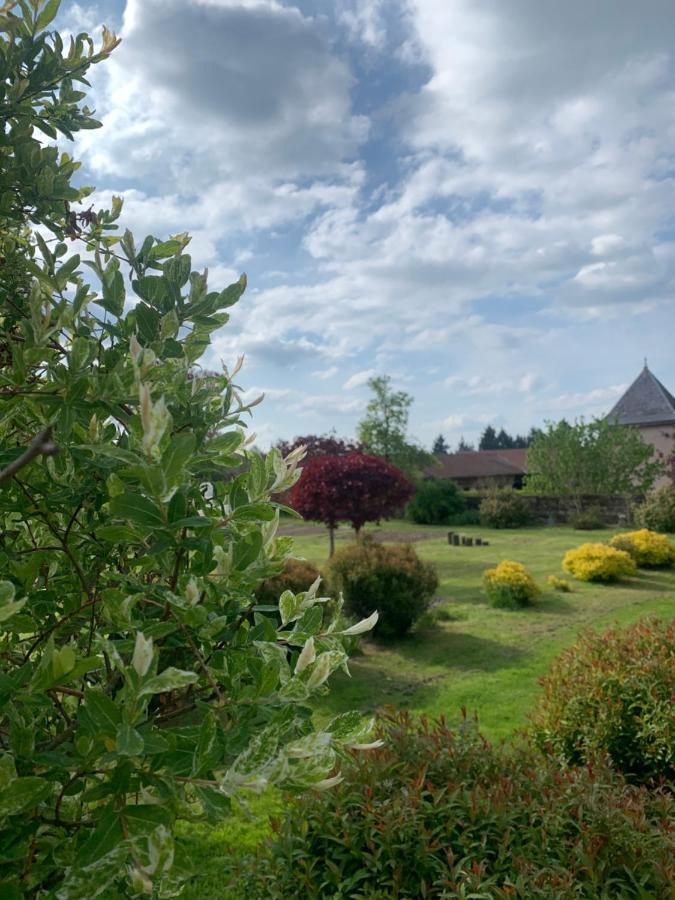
{"type": "Point", "coordinates": [646, 402]}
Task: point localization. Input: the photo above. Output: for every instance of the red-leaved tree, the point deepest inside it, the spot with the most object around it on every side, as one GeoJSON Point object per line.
{"type": "Point", "coordinates": [355, 488]}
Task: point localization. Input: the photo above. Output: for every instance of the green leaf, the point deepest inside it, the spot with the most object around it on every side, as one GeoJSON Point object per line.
{"type": "Point", "coordinates": [7, 771]}
{"type": "Point", "coordinates": [103, 713]}
{"type": "Point", "coordinates": [137, 509]}
{"type": "Point", "coordinates": [289, 606]}
{"type": "Point", "coordinates": [23, 794]}
{"type": "Point", "coordinates": [118, 534]}
{"type": "Point", "coordinates": [170, 679]}
{"type": "Point", "coordinates": [104, 838]}
{"type": "Point", "coordinates": [112, 288]}
{"type": "Point", "coordinates": [247, 550]}
{"type": "Point", "coordinates": [128, 741]}
{"type": "Point", "coordinates": [205, 745]}
{"type": "Point", "coordinates": [8, 606]}
{"type": "Point", "coordinates": [48, 14]}
{"type": "Point", "coordinates": [254, 512]}
{"type": "Point", "coordinates": [176, 457]}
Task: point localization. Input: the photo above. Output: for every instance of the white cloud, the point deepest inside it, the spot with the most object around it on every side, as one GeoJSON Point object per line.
{"type": "Point", "coordinates": [358, 379]}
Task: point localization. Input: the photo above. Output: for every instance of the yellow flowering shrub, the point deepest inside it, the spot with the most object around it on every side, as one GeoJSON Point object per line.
{"type": "Point", "coordinates": [510, 585]}
{"type": "Point", "coordinates": [648, 548]}
{"type": "Point", "coordinates": [598, 562]}
{"type": "Point", "coordinates": [559, 584]}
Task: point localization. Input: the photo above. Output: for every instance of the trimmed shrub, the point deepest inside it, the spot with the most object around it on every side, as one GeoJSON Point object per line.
{"type": "Point", "coordinates": [504, 509]}
{"type": "Point", "coordinates": [390, 578]}
{"type": "Point", "coordinates": [468, 517]}
{"type": "Point", "coordinates": [559, 584]}
{"type": "Point", "coordinates": [510, 585]}
{"type": "Point", "coordinates": [598, 562]}
{"type": "Point", "coordinates": [298, 575]}
{"type": "Point", "coordinates": [435, 502]}
{"type": "Point", "coordinates": [658, 510]}
{"type": "Point", "coordinates": [612, 693]}
{"type": "Point", "coordinates": [590, 519]}
{"type": "Point", "coordinates": [649, 549]}
{"type": "Point", "coordinates": [438, 813]}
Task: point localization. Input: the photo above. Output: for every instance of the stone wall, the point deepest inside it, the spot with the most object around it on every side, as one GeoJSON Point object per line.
{"type": "Point", "coordinates": [547, 510]}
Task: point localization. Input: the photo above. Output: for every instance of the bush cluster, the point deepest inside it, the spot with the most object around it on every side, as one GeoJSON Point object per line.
{"type": "Point", "coordinates": [441, 813]}
{"type": "Point", "coordinates": [510, 586]}
{"type": "Point", "coordinates": [598, 562]}
{"type": "Point", "coordinates": [436, 502]}
{"type": "Point", "coordinates": [559, 584]}
{"type": "Point", "coordinates": [658, 510]}
{"type": "Point", "coordinates": [590, 519]}
{"type": "Point", "coordinates": [612, 694]}
{"type": "Point", "coordinates": [649, 549]}
{"type": "Point", "coordinates": [504, 509]}
{"type": "Point", "coordinates": [468, 517]}
{"type": "Point", "coordinates": [390, 578]}
{"type": "Point", "coordinates": [298, 575]}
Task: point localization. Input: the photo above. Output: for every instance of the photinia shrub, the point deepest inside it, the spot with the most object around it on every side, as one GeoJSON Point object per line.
{"type": "Point", "coordinates": [141, 681]}
{"type": "Point", "coordinates": [649, 549]}
{"type": "Point", "coordinates": [509, 585]}
{"type": "Point", "coordinates": [437, 501]}
{"type": "Point", "coordinates": [598, 562]}
{"type": "Point", "coordinates": [440, 813]}
{"type": "Point", "coordinates": [612, 693]}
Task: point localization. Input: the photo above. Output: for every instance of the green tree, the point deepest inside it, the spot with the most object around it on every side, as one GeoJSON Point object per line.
{"type": "Point", "coordinates": [440, 445]}
{"type": "Point", "coordinates": [383, 430]}
{"type": "Point", "coordinates": [488, 439]}
{"type": "Point", "coordinates": [596, 457]}
{"type": "Point", "coordinates": [131, 543]}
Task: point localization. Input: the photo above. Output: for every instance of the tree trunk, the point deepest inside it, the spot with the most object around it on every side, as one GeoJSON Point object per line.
{"type": "Point", "coordinates": [331, 538]}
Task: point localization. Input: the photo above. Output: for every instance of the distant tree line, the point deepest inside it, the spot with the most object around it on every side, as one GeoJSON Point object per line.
{"type": "Point", "coordinates": [490, 439]}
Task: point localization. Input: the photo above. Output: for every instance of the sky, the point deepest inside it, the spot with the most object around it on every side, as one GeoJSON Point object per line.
{"type": "Point", "coordinates": [475, 198]}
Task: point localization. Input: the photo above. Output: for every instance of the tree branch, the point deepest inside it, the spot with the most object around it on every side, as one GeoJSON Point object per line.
{"type": "Point", "coordinates": [41, 444]}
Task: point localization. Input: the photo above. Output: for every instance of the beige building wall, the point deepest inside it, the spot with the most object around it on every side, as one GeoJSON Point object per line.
{"type": "Point", "coordinates": [663, 439]}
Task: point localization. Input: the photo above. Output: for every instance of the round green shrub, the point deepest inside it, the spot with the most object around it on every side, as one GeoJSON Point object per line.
{"type": "Point", "coordinates": [298, 575]}
{"type": "Point", "coordinates": [390, 578]}
{"type": "Point", "coordinates": [504, 509]}
{"type": "Point", "coordinates": [657, 512]}
{"type": "Point", "coordinates": [439, 813]}
{"type": "Point", "coordinates": [436, 502]}
{"type": "Point", "coordinates": [590, 519]}
{"type": "Point", "coordinates": [612, 693]}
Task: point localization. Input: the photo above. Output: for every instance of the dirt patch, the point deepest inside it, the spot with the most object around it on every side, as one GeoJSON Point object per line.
{"type": "Point", "coordinates": [390, 537]}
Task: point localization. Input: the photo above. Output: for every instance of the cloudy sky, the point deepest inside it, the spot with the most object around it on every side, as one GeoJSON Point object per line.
{"type": "Point", "coordinates": [473, 196]}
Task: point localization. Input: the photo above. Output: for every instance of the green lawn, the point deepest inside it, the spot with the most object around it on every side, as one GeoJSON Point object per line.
{"type": "Point", "coordinates": [465, 653]}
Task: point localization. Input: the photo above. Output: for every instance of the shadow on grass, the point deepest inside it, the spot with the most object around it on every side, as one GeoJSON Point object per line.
{"type": "Point", "coordinates": [553, 603]}
{"type": "Point", "coordinates": [458, 650]}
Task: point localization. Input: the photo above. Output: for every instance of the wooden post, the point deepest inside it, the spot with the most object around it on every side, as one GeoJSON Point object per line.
{"type": "Point", "coordinates": [486, 543]}
{"type": "Point", "coordinates": [455, 540]}
{"type": "Point", "coordinates": [450, 534]}
{"type": "Point", "coordinates": [479, 542]}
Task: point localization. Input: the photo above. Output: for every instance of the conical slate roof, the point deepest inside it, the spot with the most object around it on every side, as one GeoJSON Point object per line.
{"type": "Point", "coordinates": [646, 402]}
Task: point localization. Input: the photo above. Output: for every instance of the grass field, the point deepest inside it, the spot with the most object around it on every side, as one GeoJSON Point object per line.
{"type": "Point", "coordinates": [464, 653]}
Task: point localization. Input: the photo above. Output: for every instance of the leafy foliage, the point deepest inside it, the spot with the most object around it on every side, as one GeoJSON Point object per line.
{"type": "Point", "coordinates": [390, 578]}
{"type": "Point", "coordinates": [612, 693]}
{"type": "Point", "coordinates": [297, 575]}
{"type": "Point", "coordinates": [441, 813]}
{"type": "Point", "coordinates": [383, 430]}
{"type": "Point", "coordinates": [435, 502]}
{"type": "Point", "coordinates": [130, 543]}
{"type": "Point", "coordinates": [588, 519]}
{"type": "Point", "coordinates": [440, 445]}
{"type": "Point", "coordinates": [658, 510]}
{"type": "Point", "coordinates": [598, 562]}
{"type": "Point", "coordinates": [503, 509]}
{"type": "Point", "coordinates": [355, 488]}
{"type": "Point", "coordinates": [559, 584]}
{"type": "Point", "coordinates": [509, 585]}
{"type": "Point", "coordinates": [649, 549]}
{"type": "Point", "coordinates": [316, 445]}
{"type": "Point", "coordinates": [596, 457]}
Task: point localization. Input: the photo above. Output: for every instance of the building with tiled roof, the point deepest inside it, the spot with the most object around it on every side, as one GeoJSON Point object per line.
{"type": "Point", "coordinates": [649, 406]}
{"type": "Point", "coordinates": [472, 468]}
